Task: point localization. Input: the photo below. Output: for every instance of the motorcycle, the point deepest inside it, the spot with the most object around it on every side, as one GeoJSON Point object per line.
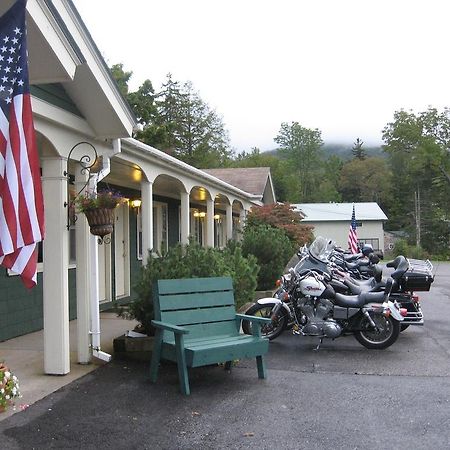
{"type": "Point", "coordinates": [409, 276]}
{"type": "Point", "coordinates": [307, 299]}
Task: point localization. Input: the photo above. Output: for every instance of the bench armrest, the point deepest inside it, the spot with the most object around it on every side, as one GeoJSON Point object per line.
{"type": "Point", "coordinates": [253, 318]}
{"type": "Point", "coordinates": [169, 327]}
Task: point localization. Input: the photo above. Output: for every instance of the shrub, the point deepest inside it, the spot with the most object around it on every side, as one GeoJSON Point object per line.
{"type": "Point", "coordinates": [401, 247]}
{"type": "Point", "coordinates": [272, 249]}
{"type": "Point", "coordinates": [192, 261]}
{"type": "Point", "coordinates": [282, 216]}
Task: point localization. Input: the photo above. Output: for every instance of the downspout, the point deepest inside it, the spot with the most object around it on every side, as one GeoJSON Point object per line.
{"type": "Point", "coordinates": [94, 291]}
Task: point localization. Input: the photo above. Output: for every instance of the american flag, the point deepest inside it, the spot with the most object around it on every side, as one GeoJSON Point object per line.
{"type": "Point", "coordinates": [352, 234]}
{"type": "Point", "coordinates": [21, 202]}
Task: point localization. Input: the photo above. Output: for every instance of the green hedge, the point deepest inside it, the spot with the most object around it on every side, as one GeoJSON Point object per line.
{"type": "Point", "coordinates": [193, 261]}
{"type": "Point", "coordinates": [272, 249]}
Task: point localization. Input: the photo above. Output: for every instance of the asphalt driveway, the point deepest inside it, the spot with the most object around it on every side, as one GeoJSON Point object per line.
{"type": "Point", "coordinates": [343, 396]}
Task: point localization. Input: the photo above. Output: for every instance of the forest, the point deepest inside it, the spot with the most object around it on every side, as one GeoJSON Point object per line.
{"type": "Point", "coordinates": [408, 176]}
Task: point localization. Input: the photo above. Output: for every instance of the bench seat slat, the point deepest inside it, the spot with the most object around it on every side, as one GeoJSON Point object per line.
{"type": "Point", "coordinates": [187, 285]}
{"type": "Point", "coordinates": [186, 301]}
{"type": "Point", "coordinates": [219, 351]}
{"type": "Point", "coordinates": [206, 330]}
{"type": "Point", "coordinates": [199, 315]}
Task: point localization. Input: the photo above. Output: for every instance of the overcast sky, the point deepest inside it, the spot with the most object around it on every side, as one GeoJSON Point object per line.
{"type": "Point", "coordinates": [342, 66]}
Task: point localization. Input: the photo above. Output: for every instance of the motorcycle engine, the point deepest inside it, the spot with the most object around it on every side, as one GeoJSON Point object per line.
{"type": "Point", "coordinates": [316, 317]}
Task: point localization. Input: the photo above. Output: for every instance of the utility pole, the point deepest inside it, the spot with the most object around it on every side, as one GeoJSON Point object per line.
{"type": "Point", "coordinates": [417, 208]}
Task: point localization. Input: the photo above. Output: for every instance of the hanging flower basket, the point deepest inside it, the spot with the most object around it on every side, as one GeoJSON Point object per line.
{"type": "Point", "coordinates": [101, 221]}
{"type": "Point", "coordinates": [99, 210]}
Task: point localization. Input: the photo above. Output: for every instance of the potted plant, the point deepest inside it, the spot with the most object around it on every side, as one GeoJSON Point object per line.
{"type": "Point", "coordinates": [9, 387]}
{"type": "Point", "coordinates": [98, 208]}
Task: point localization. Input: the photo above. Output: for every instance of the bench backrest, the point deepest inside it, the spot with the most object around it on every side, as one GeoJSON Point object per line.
{"type": "Point", "coordinates": [205, 306]}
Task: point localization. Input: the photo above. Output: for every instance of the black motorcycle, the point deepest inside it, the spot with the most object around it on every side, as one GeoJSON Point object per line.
{"type": "Point", "coordinates": [310, 302]}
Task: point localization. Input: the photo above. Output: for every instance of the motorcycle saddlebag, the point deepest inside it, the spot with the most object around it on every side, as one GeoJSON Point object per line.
{"type": "Point", "coordinates": [418, 277]}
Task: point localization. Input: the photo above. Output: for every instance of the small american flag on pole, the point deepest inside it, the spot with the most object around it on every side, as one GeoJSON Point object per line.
{"type": "Point", "coordinates": [21, 202]}
{"type": "Point", "coordinates": [352, 234]}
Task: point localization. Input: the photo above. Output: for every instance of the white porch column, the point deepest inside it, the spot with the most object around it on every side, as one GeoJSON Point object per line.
{"type": "Point", "coordinates": [184, 218]}
{"type": "Point", "coordinates": [209, 219]}
{"type": "Point", "coordinates": [147, 219]}
{"type": "Point", "coordinates": [83, 280]}
{"type": "Point", "coordinates": [56, 265]}
{"type": "Point", "coordinates": [229, 222]}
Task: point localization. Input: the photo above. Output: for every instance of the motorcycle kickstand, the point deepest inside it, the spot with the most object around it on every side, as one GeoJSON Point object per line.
{"type": "Point", "coordinates": [318, 345]}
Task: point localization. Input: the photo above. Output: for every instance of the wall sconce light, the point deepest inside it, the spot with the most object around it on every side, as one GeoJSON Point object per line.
{"type": "Point", "coordinates": [136, 203]}
{"type": "Point", "coordinates": [216, 216]}
{"type": "Point", "coordinates": [199, 214]}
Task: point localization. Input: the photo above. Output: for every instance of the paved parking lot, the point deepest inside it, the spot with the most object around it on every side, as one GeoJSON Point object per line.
{"type": "Point", "coordinates": [343, 396]}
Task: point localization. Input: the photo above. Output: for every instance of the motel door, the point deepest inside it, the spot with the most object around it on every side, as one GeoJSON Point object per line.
{"type": "Point", "coordinates": [106, 263]}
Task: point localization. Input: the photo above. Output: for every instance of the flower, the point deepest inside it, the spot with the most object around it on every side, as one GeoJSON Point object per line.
{"type": "Point", "coordinates": [106, 198]}
{"type": "Point", "coordinates": [9, 387]}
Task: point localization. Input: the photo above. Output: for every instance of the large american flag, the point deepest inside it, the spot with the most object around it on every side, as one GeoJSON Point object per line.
{"type": "Point", "coordinates": [352, 234]}
{"type": "Point", "coordinates": [21, 202]}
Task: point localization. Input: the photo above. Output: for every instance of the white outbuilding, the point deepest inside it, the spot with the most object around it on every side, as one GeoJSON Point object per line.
{"type": "Point", "coordinates": [332, 220]}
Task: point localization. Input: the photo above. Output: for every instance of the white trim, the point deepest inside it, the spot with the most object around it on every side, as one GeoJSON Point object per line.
{"type": "Point", "coordinates": [59, 116]}
{"type": "Point", "coordinates": [57, 41]}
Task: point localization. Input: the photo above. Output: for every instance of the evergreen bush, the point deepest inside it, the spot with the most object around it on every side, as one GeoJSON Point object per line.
{"type": "Point", "coordinates": [192, 261]}
{"type": "Point", "coordinates": [272, 249]}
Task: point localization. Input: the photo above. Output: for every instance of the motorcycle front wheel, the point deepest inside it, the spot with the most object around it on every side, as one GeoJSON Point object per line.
{"type": "Point", "coordinates": [387, 333]}
{"type": "Point", "coordinates": [270, 330]}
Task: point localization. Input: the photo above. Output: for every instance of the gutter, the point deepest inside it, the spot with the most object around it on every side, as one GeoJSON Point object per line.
{"type": "Point", "coordinates": [94, 296]}
{"type": "Point", "coordinates": [183, 167]}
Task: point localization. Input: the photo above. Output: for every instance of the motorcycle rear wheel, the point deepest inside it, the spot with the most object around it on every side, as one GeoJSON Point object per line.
{"type": "Point", "coordinates": [271, 330]}
{"type": "Point", "coordinates": [389, 330]}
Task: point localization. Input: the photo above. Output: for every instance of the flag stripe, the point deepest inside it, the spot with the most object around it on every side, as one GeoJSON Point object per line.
{"type": "Point", "coordinates": [21, 201]}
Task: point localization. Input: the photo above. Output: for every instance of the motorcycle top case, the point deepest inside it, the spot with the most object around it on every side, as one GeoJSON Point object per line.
{"type": "Point", "coordinates": [418, 277]}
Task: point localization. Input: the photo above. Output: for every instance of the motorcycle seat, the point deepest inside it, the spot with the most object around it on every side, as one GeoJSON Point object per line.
{"type": "Point", "coordinates": [358, 301]}
{"type": "Point", "coordinates": [357, 264]}
{"type": "Point", "coordinates": [370, 282]}
{"type": "Point", "coordinates": [352, 257]}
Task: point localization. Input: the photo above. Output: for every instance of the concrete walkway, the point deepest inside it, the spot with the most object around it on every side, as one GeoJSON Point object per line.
{"type": "Point", "coordinates": [24, 355]}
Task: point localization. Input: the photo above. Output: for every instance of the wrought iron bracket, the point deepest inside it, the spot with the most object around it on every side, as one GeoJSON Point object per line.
{"type": "Point", "coordinates": [86, 162]}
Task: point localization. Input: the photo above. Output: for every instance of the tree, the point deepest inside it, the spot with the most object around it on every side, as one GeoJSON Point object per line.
{"type": "Point", "coordinates": [282, 216]}
{"type": "Point", "coordinates": [196, 132]}
{"type": "Point", "coordinates": [358, 150]}
{"type": "Point", "coordinates": [122, 78]}
{"type": "Point", "coordinates": [418, 147]}
{"type": "Point", "coordinates": [301, 146]}
{"type": "Point", "coordinates": [177, 121]}
{"type": "Point", "coordinates": [366, 180]}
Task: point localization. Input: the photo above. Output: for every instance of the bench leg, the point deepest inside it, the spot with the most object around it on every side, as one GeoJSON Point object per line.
{"type": "Point", "coordinates": [156, 355]}
{"type": "Point", "coordinates": [228, 365]}
{"type": "Point", "coordinates": [261, 364]}
{"type": "Point", "coordinates": [181, 363]}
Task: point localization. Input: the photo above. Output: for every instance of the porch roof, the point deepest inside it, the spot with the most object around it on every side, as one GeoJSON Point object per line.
{"type": "Point", "coordinates": [178, 167]}
{"type": "Point", "coordinates": [61, 50]}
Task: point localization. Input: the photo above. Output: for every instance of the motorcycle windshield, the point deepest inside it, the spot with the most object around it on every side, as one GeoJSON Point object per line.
{"type": "Point", "coordinates": [321, 248]}
{"type": "Point", "coordinates": [317, 257]}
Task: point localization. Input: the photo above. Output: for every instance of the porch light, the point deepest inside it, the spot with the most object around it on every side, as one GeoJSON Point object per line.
{"type": "Point", "coordinates": [136, 203]}
{"type": "Point", "coordinates": [199, 214]}
{"type": "Point", "coordinates": [216, 216]}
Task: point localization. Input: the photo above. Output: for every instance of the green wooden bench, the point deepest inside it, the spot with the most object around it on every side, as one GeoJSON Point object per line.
{"type": "Point", "coordinates": [197, 325]}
